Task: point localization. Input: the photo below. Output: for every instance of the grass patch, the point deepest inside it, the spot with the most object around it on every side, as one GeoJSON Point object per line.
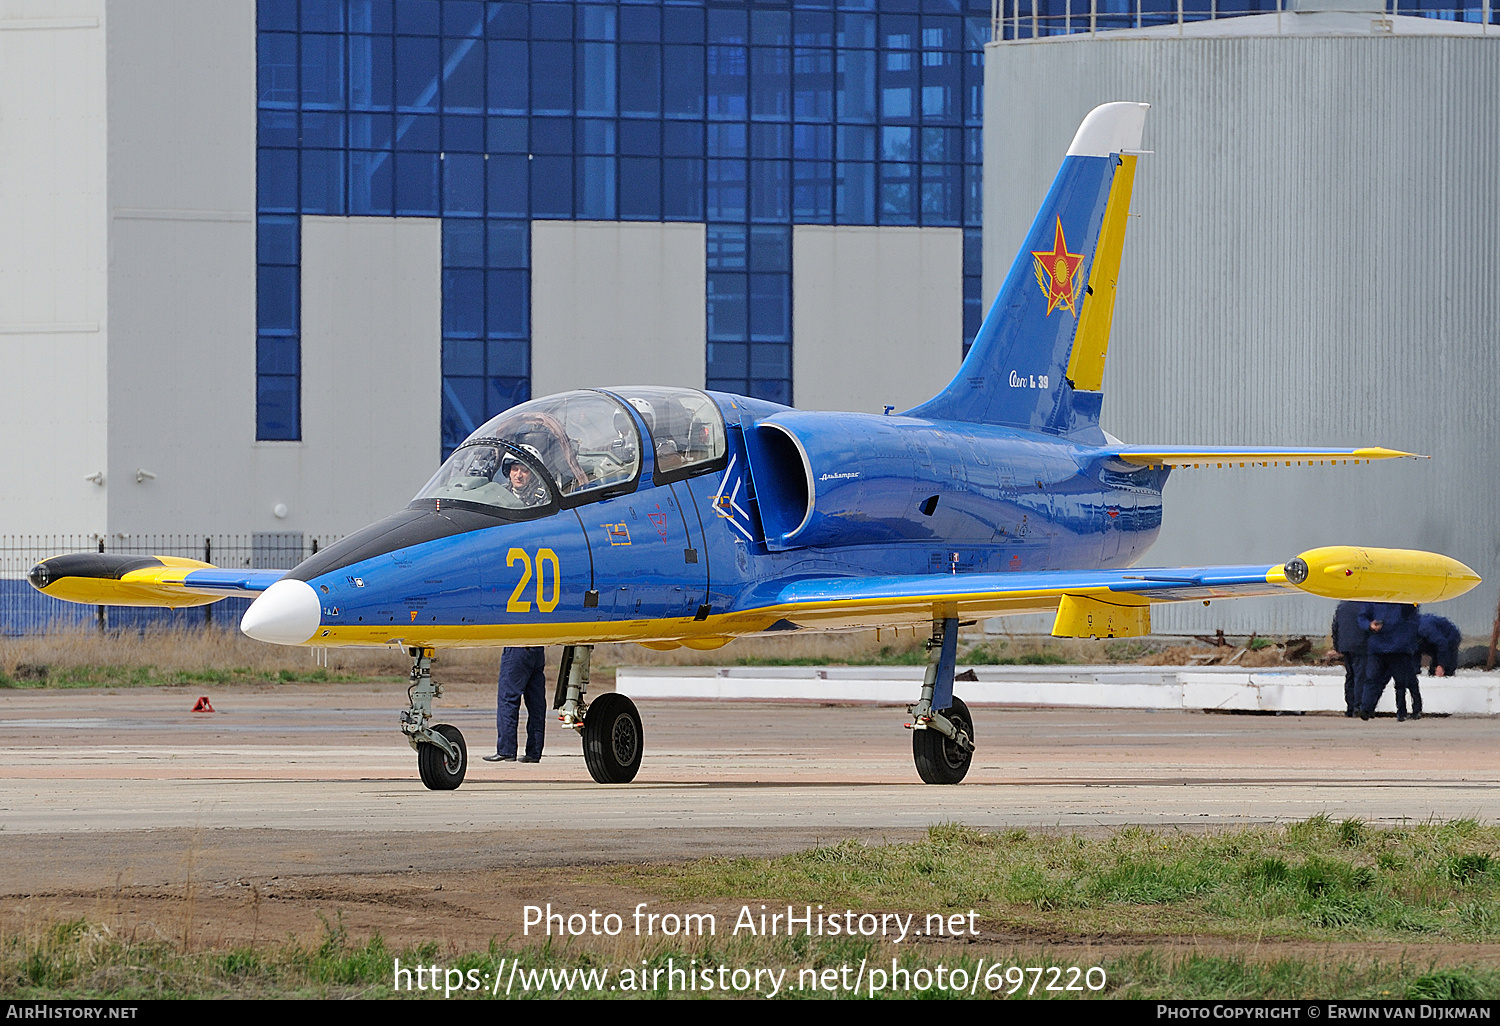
{"type": "Point", "coordinates": [78, 959]}
{"type": "Point", "coordinates": [81, 657]}
{"type": "Point", "coordinates": [1314, 880]}
{"type": "Point", "coordinates": [996, 654]}
{"type": "Point", "coordinates": [1221, 891]}
{"type": "Point", "coordinates": [154, 676]}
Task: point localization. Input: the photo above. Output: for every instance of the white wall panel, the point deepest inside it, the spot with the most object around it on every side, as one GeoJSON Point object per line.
{"type": "Point", "coordinates": [182, 273]}
{"type": "Point", "coordinates": [616, 303]}
{"type": "Point", "coordinates": [1314, 263]}
{"type": "Point", "coordinates": [53, 258]}
{"type": "Point", "coordinates": [371, 376]}
{"type": "Point", "coordinates": [877, 315]}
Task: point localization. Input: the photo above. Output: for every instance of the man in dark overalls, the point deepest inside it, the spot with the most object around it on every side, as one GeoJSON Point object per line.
{"type": "Point", "coordinates": [1440, 638]}
{"type": "Point", "coordinates": [1392, 653]}
{"type": "Point", "coordinates": [1351, 641]}
{"type": "Point", "coordinates": [522, 675]}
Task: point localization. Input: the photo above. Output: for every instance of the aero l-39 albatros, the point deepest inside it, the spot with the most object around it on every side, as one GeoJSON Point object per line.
{"type": "Point", "coordinates": [668, 516]}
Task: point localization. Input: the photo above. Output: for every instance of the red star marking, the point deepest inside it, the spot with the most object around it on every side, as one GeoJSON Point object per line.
{"type": "Point", "coordinates": [1057, 273]}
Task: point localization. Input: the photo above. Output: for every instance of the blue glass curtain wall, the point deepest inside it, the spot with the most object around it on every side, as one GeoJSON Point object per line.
{"type": "Point", "coordinates": [748, 117]}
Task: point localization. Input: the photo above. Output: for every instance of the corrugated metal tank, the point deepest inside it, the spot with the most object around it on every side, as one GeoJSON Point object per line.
{"type": "Point", "coordinates": [1315, 260]}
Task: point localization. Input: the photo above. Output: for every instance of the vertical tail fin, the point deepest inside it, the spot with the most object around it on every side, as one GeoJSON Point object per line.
{"type": "Point", "coordinates": [1038, 359]}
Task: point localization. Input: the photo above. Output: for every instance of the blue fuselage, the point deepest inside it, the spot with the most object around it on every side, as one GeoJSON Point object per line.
{"type": "Point", "coordinates": [797, 495]}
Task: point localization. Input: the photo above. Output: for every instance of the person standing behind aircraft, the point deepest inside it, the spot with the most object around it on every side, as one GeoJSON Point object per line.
{"type": "Point", "coordinates": [1351, 641]}
{"type": "Point", "coordinates": [1392, 653]}
{"type": "Point", "coordinates": [522, 675]}
{"type": "Point", "coordinates": [1440, 638]}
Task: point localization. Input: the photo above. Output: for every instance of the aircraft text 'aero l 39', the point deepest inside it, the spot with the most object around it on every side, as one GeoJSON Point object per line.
{"type": "Point", "coordinates": [670, 516]}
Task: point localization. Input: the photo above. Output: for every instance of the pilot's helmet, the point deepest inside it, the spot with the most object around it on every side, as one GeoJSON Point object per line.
{"type": "Point", "coordinates": [511, 461]}
{"type": "Point", "coordinates": [647, 412]}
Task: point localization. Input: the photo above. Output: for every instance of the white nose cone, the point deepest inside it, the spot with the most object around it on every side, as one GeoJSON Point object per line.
{"type": "Point", "coordinates": [287, 613]}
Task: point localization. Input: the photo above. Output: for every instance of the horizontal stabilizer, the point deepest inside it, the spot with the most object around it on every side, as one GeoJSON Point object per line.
{"type": "Point", "coordinates": [1218, 456]}
{"type": "Point", "coordinates": [112, 579]}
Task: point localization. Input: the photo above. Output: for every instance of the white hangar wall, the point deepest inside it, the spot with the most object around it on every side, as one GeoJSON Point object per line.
{"type": "Point", "coordinates": [181, 227]}
{"type": "Point", "coordinates": [54, 253]}
{"type": "Point", "coordinates": [127, 294]}
{"type": "Point", "coordinates": [616, 303]}
{"type": "Point", "coordinates": [875, 315]}
{"type": "Point", "coordinates": [1313, 262]}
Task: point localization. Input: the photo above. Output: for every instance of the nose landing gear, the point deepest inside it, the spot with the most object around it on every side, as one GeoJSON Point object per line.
{"type": "Point", "coordinates": [613, 740]}
{"type": "Point", "coordinates": [442, 756]}
{"type": "Point", "coordinates": [942, 738]}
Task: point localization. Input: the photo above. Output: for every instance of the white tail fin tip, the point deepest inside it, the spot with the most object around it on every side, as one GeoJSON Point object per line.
{"type": "Point", "coordinates": [1110, 128]}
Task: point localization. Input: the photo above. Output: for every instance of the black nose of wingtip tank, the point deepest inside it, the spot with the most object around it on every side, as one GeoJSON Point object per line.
{"type": "Point", "coordinates": [39, 577]}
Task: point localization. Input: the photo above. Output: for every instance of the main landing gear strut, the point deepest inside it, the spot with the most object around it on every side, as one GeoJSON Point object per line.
{"type": "Point", "coordinates": [612, 737]}
{"type": "Point", "coordinates": [442, 756]}
{"type": "Point", "coordinates": [942, 731]}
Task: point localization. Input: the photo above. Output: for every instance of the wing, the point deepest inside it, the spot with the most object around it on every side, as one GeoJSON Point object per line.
{"type": "Point", "coordinates": [1249, 456]}
{"type": "Point", "coordinates": [1116, 603]}
{"type": "Point", "coordinates": [108, 579]}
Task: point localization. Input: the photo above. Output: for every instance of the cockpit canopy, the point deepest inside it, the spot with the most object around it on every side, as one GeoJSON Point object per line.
{"type": "Point", "coordinates": [490, 473]}
{"type": "Point", "coordinates": [686, 427]}
{"type": "Point", "coordinates": [587, 444]}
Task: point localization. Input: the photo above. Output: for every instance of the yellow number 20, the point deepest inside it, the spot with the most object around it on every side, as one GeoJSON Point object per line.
{"type": "Point", "coordinates": [543, 557]}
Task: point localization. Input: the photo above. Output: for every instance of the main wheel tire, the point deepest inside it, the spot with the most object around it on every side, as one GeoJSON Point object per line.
{"type": "Point", "coordinates": [612, 739]}
{"type": "Point", "coordinates": [439, 772]}
{"type": "Point", "coordinates": [939, 759]}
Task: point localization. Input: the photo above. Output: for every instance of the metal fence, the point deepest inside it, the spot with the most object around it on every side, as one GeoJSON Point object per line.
{"type": "Point", "coordinates": [24, 610]}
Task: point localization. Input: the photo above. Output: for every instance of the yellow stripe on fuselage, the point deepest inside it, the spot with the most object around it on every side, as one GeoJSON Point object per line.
{"type": "Point", "coordinates": [837, 614]}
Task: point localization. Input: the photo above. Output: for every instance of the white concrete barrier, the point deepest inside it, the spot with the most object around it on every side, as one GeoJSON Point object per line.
{"type": "Point", "coordinates": [1471, 693]}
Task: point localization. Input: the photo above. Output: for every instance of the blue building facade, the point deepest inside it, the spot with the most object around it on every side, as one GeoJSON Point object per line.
{"type": "Point", "coordinates": [747, 117]}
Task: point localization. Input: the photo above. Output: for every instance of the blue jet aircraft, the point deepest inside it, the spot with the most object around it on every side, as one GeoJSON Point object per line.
{"type": "Point", "coordinates": [673, 517]}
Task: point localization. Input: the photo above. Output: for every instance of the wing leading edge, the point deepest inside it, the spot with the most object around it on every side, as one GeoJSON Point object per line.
{"type": "Point", "coordinates": [1116, 603]}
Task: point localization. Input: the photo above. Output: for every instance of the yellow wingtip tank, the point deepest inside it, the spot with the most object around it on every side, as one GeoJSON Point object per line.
{"type": "Point", "coordinates": [1379, 575]}
{"type": "Point", "coordinates": [158, 585]}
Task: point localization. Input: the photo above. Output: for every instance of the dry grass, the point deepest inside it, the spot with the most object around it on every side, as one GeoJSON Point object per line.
{"type": "Point", "coordinates": [79, 656]}
{"type": "Point", "coordinates": [180, 651]}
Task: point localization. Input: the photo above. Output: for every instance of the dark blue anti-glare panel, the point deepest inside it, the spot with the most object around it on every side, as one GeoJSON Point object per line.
{"type": "Point", "coordinates": [748, 117]}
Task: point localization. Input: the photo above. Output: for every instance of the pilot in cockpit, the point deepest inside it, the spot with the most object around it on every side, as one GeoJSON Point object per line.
{"type": "Point", "coordinates": [522, 481]}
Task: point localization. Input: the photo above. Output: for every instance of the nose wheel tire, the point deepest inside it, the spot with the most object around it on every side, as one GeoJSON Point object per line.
{"type": "Point", "coordinates": [939, 758]}
{"type": "Point", "coordinates": [440, 771]}
{"type": "Point", "coordinates": [612, 739]}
